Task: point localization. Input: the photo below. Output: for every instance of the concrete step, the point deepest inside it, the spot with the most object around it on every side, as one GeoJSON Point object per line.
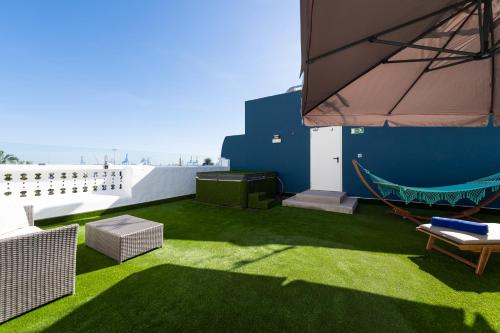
{"type": "Point", "coordinates": [327, 197]}
{"type": "Point", "coordinates": [262, 204]}
{"type": "Point", "coordinates": [267, 203]}
{"type": "Point", "coordinates": [257, 196]}
{"type": "Point", "coordinates": [347, 206]}
{"type": "Point", "coordinates": [259, 200]}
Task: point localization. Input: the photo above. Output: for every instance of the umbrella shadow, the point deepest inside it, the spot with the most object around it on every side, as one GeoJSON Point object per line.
{"type": "Point", "coordinates": [243, 263]}
{"type": "Point", "coordinates": [89, 260]}
{"type": "Point", "coordinates": [178, 298]}
{"type": "Point", "coordinates": [458, 276]}
{"type": "Point", "coordinates": [291, 227]}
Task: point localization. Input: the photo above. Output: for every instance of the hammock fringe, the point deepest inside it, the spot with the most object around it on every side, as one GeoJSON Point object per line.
{"type": "Point", "coordinates": [475, 191]}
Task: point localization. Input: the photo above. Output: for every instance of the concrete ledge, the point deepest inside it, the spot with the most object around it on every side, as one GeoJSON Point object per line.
{"type": "Point", "coordinates": [98, 213]}
{"type": "Point", "coordinates": [347, 206]}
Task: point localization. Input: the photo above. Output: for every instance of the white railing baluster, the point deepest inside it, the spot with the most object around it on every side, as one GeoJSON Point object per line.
{"type": "Point", "coordinates": [43, 181]}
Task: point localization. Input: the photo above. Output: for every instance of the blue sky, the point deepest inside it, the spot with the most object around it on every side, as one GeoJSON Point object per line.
{"type": "Point", "coordinates": [152, 75]}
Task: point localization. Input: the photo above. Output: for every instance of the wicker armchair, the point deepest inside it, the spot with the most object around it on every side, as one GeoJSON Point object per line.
{"type": "Point", "coordinates": [36, 268]}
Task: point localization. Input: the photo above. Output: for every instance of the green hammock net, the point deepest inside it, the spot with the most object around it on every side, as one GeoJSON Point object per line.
{"type": "Point", "coordinates": [474, 191]}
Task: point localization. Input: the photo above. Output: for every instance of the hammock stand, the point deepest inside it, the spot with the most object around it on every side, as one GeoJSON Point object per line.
{"type": "Point", "coordinates": [467, 213]}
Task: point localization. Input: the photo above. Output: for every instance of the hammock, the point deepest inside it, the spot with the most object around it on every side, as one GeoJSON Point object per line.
{"type": "Point", "coordinates": [474, 191]}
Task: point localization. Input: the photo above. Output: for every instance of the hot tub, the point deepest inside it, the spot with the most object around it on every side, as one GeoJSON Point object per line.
{"type": "Point", "coordinates": [244, 189]}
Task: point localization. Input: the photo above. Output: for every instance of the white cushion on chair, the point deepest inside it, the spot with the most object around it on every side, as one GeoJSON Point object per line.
{"type": "Point", "coordinates": [21, 232]}
{"type": "Point", "coordinates": [463, 237]}
{"type": "Point", "coordinates": [12, 217]}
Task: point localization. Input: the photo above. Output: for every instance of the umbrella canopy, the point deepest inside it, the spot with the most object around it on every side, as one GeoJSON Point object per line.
{"type": "Point", "coordinates": [404, 62]}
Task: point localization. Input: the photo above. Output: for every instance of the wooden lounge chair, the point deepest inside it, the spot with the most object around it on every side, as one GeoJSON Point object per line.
{"type": "Point", "coordinates": [465, 241]}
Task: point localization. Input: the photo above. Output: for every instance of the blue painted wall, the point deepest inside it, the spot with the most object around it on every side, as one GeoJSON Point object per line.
{"type": "Point", "coordinates": [254, 150]}
{"type": "Point", "coordinates": [409, 156]}
{"type": "Point", "coordinates": [421, 156]}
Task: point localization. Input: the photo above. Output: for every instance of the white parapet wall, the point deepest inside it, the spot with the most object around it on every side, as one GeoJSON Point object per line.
{"type": "Point", "coordinates": [60, 190]}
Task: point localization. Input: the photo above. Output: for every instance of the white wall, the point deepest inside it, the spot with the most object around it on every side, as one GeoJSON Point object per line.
{"type": "Point", "coordinates": [140, 184]}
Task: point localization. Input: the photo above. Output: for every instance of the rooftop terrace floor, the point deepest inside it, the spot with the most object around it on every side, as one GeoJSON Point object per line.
{"type": "Point", "coordinates": [283, 269]}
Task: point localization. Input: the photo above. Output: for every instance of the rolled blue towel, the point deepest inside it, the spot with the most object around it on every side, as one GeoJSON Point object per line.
{"type": "Point", "coordinates": [456, 224]}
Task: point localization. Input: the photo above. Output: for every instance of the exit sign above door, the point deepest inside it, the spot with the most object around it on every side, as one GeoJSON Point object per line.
{"type": "Point", "coordinates": [357, 130]}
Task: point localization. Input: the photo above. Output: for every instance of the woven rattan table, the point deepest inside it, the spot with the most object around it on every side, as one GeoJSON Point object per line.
{"type": "Point", "coordinates": [123, 237]}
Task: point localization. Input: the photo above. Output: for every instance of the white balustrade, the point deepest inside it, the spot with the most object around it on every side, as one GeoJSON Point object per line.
{"type": "Point", "coordinates": [42, 181]}
{"type": "Point", "coordinates": [58, 190]}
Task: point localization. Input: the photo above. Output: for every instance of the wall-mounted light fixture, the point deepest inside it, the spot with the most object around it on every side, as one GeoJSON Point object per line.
{"type": "Point", "coordinates": [276, 138]}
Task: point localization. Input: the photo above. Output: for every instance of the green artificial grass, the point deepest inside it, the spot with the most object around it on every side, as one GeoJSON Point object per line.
{"type": "Point", "coordinates": [282, 269]}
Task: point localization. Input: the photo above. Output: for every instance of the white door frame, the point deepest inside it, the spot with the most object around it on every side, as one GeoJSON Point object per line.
{"type": "Point", "coordinates": [341, 183]}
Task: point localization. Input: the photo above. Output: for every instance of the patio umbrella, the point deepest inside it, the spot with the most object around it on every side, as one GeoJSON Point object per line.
{"type": "Point", "coordinates": [404, 62]}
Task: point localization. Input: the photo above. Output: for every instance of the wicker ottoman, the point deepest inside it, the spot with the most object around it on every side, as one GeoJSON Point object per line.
{"type": "Point", "coordinates": [123, 237]}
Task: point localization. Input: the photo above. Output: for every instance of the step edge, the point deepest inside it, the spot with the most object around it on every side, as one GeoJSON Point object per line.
{"type": "Point", "coordinates": [318, 198]}
{"type": "Point", "coordinates": [348, 209]}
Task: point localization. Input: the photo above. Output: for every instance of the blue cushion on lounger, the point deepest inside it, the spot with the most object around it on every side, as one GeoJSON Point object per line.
{"type": "Point", "coordinates": [474, 227]}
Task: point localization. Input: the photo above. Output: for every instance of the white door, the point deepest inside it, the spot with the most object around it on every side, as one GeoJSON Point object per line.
{"type": "Point", "coordinates": [326, 158]}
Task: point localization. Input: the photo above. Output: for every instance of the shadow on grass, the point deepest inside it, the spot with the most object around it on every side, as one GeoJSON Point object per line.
{"type": "Point", "coordinates": [459, 276]}
{"type": "Point", "coordinates": [243, 263]}
{"type": "Point", "coordinates": [370, 229]}
{"type": "Point", "coordinates": [89, 260]}
{"type": "Point", "coordinates": [177, 298]}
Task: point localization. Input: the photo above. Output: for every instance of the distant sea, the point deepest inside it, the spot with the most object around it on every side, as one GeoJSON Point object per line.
{"type": "Point", "coordinates": [48, 154]}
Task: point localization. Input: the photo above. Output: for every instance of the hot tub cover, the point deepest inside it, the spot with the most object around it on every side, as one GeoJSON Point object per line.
{"type": "Point", "coordinates": [235, 176]}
